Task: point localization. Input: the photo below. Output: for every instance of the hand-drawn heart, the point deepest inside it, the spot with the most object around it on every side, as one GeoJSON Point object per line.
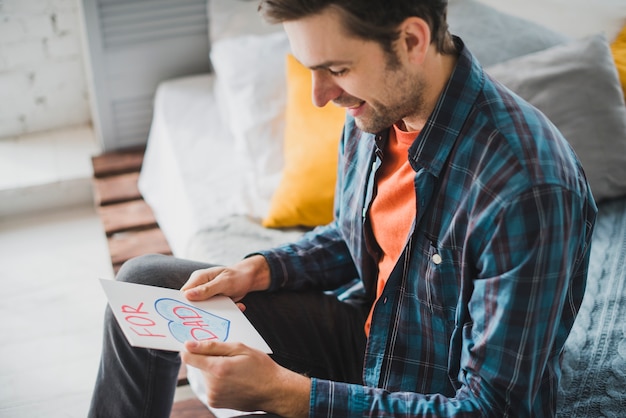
{"type": "Point", "coordinates": [188, 323]}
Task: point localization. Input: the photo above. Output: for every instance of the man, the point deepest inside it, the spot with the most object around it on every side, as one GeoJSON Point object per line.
{"type": "Point", "coordinates": [460, 210]}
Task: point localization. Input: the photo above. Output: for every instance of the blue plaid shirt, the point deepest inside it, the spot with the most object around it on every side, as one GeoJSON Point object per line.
{"type": "Point", "coordinates": [473, 318]}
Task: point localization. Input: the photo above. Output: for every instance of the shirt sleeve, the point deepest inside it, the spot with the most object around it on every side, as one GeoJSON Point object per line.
{"type": "Point", "coordinates": [531, 257]}
{"type": "Point", "coordinates": [319, 260]}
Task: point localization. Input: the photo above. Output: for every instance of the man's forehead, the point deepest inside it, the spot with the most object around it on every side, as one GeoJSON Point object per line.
{"type": "Point", "coordinates": [320, 42]}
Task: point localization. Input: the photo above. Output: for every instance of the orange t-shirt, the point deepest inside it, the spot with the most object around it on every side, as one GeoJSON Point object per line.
{"type": "Point", "coordinates": [394, 207]}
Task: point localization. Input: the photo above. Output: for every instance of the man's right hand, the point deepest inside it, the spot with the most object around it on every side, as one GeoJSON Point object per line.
{"type": "Point", "coordinates": [249, 275]}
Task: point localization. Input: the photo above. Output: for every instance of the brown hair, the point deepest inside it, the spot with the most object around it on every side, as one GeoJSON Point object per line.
{"type": "Point", "coordinates": [375, 20]}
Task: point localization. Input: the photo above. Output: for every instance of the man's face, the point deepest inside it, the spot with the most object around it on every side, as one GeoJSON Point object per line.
{"type": "Point", "coordinates": [375, 89]}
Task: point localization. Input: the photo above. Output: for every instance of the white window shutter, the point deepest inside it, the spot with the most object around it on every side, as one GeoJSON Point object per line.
{"type": "Point", "coordinates": [133, 45]}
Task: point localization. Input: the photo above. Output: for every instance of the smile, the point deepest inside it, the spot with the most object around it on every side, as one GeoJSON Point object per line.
{"type": "Point", "coordinates": [356, 106]}
{"type": "Point", "coordinates": [356, 110]}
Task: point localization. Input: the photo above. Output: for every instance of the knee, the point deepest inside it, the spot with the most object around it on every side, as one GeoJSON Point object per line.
{"type": "Point", "coordinates": [144, 269]}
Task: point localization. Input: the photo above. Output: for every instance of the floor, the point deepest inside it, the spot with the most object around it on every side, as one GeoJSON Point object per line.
{"type": "Point", "coordinates": [52, 253]}
{"type": "Point", "coordinates": [50, 337]}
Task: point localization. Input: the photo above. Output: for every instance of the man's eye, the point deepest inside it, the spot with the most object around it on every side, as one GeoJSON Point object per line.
{"type": "Point", "coordinates": [337, 73]}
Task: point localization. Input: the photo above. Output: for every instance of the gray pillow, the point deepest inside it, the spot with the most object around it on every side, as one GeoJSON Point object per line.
{"type": "Point", "coordinates": [494, 36]}
{"type": "Point", "coordinates": [576, 85]}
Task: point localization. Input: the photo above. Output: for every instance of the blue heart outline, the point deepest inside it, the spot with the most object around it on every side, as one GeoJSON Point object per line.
{"type": "Point", "coordinates": [217, 326]}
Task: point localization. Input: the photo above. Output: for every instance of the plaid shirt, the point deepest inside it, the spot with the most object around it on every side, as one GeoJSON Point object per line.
{"type": "Point", "coordinates": [474, 316]}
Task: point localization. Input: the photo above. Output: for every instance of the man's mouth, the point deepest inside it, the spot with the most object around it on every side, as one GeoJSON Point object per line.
{"type": "Point", "coordinates": [355, 109]}
{"type": "Point", "coordinates": [348, 102]}
{"type": "Point", "coordinates": [356, 106]}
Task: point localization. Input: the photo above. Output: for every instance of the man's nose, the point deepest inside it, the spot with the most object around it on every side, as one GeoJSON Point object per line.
{"type": "Point", "coordinates": [324, 88]}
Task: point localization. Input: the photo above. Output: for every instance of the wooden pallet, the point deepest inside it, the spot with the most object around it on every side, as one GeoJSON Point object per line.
{"type": "Point", "coordinates": [129, 223]}
{"type": "Point", "coordinates": [190, 408]}
{"type": "Point", "coordinates": [132, 230]}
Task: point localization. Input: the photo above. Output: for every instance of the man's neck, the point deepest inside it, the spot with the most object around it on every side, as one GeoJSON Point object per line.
{"type": "Point", "coordinates": [437, 70]}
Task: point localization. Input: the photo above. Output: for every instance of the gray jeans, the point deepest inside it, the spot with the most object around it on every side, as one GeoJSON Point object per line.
{"type": "Point", "coordinates": [309, 332]}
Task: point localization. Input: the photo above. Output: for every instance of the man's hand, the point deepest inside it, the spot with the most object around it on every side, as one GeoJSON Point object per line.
{"type": "Point", "coordinates": [236, 281]}
{"type": "Point", "coordinates": [239, 377]}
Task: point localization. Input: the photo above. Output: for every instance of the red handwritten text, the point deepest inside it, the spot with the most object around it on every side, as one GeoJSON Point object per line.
{"type": "Point", "coordinates": [190, 318]}
{"type": "Point", "coordinates": [140, 321]}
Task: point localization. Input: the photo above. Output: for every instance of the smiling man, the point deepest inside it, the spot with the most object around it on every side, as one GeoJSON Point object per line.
{"type": "Point", "coordinates": [462, 227]}
{"type": "Point", "coordinates": [378, 87]}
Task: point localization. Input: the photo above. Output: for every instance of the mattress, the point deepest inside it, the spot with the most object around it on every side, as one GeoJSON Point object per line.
{"type": "Point", "coordinates": [192, 176]}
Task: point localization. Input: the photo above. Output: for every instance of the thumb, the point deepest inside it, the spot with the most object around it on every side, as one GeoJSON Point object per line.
{"type": "Point", "coordinates": [211, 348]}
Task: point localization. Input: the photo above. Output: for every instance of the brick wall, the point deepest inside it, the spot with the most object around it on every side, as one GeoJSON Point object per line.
{"type": "Point", "coordinates": [42, 72]}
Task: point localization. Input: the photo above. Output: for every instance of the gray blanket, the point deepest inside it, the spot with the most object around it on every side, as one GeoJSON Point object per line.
{"type": "Point", "coordinates": [594, 364]}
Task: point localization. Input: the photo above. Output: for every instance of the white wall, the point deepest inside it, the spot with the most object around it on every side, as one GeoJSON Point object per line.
{"type": "Point", "coordinates": [42, 72]}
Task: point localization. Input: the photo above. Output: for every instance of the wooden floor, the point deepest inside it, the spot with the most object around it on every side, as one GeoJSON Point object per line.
{"type": "Point", "coordinates": [132, 230]}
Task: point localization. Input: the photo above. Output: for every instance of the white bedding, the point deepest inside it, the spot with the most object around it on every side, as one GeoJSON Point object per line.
{"type": "Point", "coordinates": [200, 171]}
{"type": "Point", "coordinates": [192, 177]}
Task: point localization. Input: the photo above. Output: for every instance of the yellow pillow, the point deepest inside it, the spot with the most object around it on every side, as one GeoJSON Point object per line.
{"type": "Point", "coordinates": [305, 194]}
{"type": "Point", "coordinates": [618, 48]}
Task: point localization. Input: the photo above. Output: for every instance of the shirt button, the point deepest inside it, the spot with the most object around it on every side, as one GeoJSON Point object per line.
{"type": "Point", "coordinates": [437, 259]}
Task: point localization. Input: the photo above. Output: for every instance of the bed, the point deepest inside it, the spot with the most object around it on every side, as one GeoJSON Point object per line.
{"type": "Point", "coordinates": [221, 161]}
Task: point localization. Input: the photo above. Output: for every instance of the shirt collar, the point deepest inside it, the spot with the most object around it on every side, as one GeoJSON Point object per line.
{"type": "Point", "coordinates": [434, 143]}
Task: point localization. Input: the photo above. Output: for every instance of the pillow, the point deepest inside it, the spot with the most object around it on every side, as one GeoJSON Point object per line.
{"type": "Point", "coordinates": [577, 87]}
{"type": "Point", "coordinates": [493, 36]}
{"type": "Point", "coordinates": [250, 85]}
{"type": "Point", "coordinates": [618, 49]}
{"type": "Point", "coordinates": [305, 194]}
{"type": "Point", "coordinates": [574, 18]}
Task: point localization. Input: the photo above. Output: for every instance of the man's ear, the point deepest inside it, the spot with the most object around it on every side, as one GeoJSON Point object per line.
{"type": "Point", "coordinates": [414, 39]}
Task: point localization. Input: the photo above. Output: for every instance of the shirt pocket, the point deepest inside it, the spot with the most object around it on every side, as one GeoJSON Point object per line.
{"type": "Point", "coordinates": [439, 286]}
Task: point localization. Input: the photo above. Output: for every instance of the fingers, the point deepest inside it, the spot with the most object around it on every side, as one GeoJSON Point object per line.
{"type": "Point", "coordinates": [210, 355]}
{"type": "Point", "coordinates": [214, 348]}
{"type": "Point", "coordinates": [204, 291]}
{"type": "Point", "coordinates": [233, 373]}
{"type": "Point", "coordinates": [200, 277]}
{"type": "Point", "coordinates": [251, 274]}
{"type": "Point", "coordinates": [201, 284]}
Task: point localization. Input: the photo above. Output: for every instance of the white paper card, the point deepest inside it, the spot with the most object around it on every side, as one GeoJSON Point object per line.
{"type": "Point", "coordinates": [155, 317]}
